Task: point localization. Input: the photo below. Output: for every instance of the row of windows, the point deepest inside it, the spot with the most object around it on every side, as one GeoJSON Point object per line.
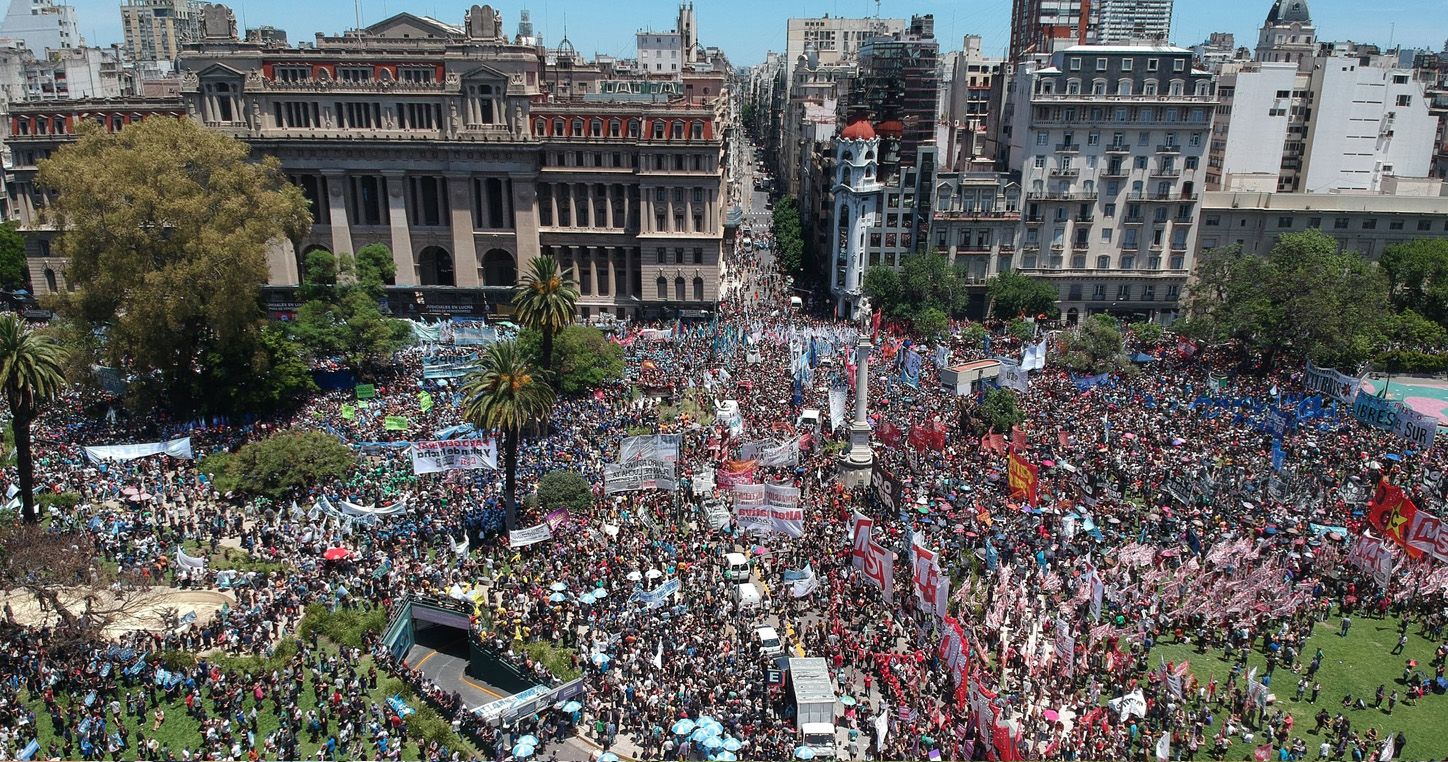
{"type": "Point", "coordinates": [353, 73]}
{"type": "Point", "coordinates": [1097, 114]}
{"type": "Point", "coordinates": [657, 129]}
{"type": "Point", "coordinates": [366, 200]}
{"type": "Point", "coordinates": [1338, 223]}
{"type": "Point", "coordinates": [1032, 260]}
{"type": "Point", "coordinates": [1175, 87]}
{"type": "Point", "coordinates": [1127, 63]}
{"type": "Point", "coordinates": [1125, 292]}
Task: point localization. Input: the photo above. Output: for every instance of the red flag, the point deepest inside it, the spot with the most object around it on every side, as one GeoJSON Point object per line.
{"type": "Point", "coordinates": [1021, 476]}
{"type": "Point", "coordinates": [1018, 438]}
{"type": "Point", "coordinates": [936, 431]}
{"type": "Point", "coordinates": [875, 324]}
{"type": "Point", "coordinates": [1062, 438]}
{"type": "Point", "coordinates": [889, 433]}
{"type": "Point", "coordinates": [1392, 513]}
{"type": "Point", "coordinates": [919, 438]}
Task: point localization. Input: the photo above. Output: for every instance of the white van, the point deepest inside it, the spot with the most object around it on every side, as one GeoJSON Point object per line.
{"type": "Point", "coordinates": [808, 421]}
{"type": "Point", "coordinates": [736, 567]}
{"type": "Point", "coordinates": [747, 596]}
{"type": "Point", "coordinates": [768, 641]}
{"type": "Point", "coordinates": [796, 303]}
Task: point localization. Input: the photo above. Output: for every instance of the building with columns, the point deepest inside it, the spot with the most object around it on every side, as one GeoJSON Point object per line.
{"type": "Point", "coordinates": [468, 153]}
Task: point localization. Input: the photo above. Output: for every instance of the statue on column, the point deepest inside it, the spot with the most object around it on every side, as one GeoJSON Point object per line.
{"type": "Point", "coordinates": [864, 313]}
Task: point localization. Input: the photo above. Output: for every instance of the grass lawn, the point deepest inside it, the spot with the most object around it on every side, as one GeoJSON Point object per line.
{"type": "Point", "coordinates": [1355, 665]}
{"type": "Point", "coordinates": [181, 731]}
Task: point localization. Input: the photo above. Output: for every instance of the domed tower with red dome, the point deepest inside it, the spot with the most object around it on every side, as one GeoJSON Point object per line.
{"type": "Point", "coordinates": [857, 192]}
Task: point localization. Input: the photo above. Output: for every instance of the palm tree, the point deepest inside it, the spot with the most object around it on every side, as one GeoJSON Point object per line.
{"type": "Point", "coordinates": [506, 393]}
{"type": "Point", "coordinates": [545, 299]}
{"type": "Point", "coordinates": [30, 374]}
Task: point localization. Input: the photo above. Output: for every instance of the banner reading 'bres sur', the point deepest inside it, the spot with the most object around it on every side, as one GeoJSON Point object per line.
{"type": "Point", "coordinates": [455, 454]}
{"type": "Point", "coordinates": [645, 474]}
{"type": "Point", "coordinates": [1398, 418]}
{"type": "Point", "coordinates": [1331, 383]}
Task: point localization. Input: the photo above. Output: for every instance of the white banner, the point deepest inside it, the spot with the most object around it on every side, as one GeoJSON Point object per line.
{"type": "Point", "coordinates": [770, 453]}
{"type": "Point", "coordinates": [176, 448]}
{"type": "Point", "coordinates": [880, 569]}
{"type": "Point", "coordinates": [430, 457]}
{"type": "Point", "coordinates": [837, 407]}
{"type": "Point", "coordinates": [522, 538]}
{"type": "Point", "coordinates": [1034, 358]}
{"type": "Point", "coordinates": [785, 515]}
{"type": "Point", "coordinates": [751, 513]}
{"type": "Point", "coordinates": [630, 477]}
{"type": "Point", "coordinates": [1013, 376]}
{"type": "Point", "coordinates": [189, 562]}
{"type": "Point", "coordinates": [727, 413]}
{"type": "Point", "coordinates": [932, 588]}
{"type": "Point", "coordinates": [860, 529]}
{"type": "Point", "coordinates": [661, 447]}
{"type": "Point", "coordinates": [806, 585]}
{"type": "Point", "coordinates": [1330, 383]}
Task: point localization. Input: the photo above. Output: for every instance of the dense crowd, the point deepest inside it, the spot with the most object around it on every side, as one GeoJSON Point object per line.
{"type": "Point", "coordinates": [1159, 519]}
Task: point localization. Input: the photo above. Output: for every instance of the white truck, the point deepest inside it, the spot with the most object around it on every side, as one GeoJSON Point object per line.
{"type": "Point", "coordinates": [814, 703]}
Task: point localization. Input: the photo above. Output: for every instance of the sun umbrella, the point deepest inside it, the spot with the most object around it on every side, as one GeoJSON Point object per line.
{"type": "Point", "coordinates": [804, 752]}
{"type": "Point", "coordinates": [726, 756]}
{"type": "Point", "coordinates": [557, 598]}
{"type": "Point", "coordinates": [634, 576]}
{"type": "Point", "coordinates": [600, 659]}
{"type": "Point", "coordinates": [654, 574]}
{"type": "Point", "coordinates": [712, 742]}
{"type": "Point", "coordinates": [336, 554]}
{"type": "Point", "coordinates": [600, 594]}
{"type": "Point", "coordinates": [848, 700]}
{"type": "Point", "coordinates": [732, 744]}
{"type": "Point", "coordinates": [524, 751]}
{"type": "Point", "coordinates": [557, 587]}
{"type": "Point", "coordinates": [608, 756]}
{"type": "Point", "coordinates": [529, 739]}
{"type": "Point", "coordinates": [683, 727]}
{"type": "Point", "coordinates": [586, 598]}
{"type": "Point", "coordinates": [572, 706]}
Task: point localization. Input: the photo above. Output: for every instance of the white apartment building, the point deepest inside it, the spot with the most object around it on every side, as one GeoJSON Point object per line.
{"type": "Point", "coordinates": [1260, 129]}
{"type": "Point", "coordinates": [660, 52]}
{"type": "Point", "coordinates": [1367, 123]}
{"type": "Point", "coordinates": [1127, 20]}
{"type": "Point", "coordinates": [1367, 223]}
{"type": "Point", "coordinates": [41, 25]}
{"type": "Point", "coordinates": [1109, 143]}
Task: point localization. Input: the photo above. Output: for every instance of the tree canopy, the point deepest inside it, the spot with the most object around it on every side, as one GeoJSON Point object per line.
{"type": "Point", "coordinates": [925, 281]}
{"type": "Point", "coordinates": [12, 257]}
{"type": "Point", "coordinates": [1417, 275]}
{"type": "Point", "coordinates": [564, 489]}
{"type": "Point", "coordinates": [166, 226]}
{"type": "Point", "coordinates": [788, 235]}
{"type": "Point", "coordinates": [281, 463]}
{"type": "Point", "coordinates": [1014, 295]}
{"type": "Point", "coordinates": [1097, 347]}
{"type": "Point", "coordinates": [342, 316]}
{"type": "Point", "coordinates": [584, 358]}
{"type": "Point", "coordinates": [999, 410]}
{"type": "Point", "coordinates": [1305, 298]}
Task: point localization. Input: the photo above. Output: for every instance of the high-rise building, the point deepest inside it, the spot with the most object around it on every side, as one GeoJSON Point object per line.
{"type": "Point", "coordinates": [1043, 26]}
{"type": "Point", "coordinates": [897, 87]}
{"type": "Point", "coordinates": [1288, 35]}
{"type": "Point", "coordinates": [834, 39]}
{"type": "Point", "coordinates": [1109, 142]}
{"type": "Point", "coordinates": [468, 155]}
{"type": "Point", "coordinates": [1127, 20]}
{"type": "Point", "coordinates": [1367, 123]}
{"type": "Point", "coordinates": [966, 79]}
{"type": "Point", "coordinates": [155, 29]}
{"type": "Point", "coordinates": [41, 25]}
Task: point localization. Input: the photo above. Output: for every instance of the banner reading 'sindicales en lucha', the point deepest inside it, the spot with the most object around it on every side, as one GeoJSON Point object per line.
{"type": "Point", "coordinates": [455, 454]}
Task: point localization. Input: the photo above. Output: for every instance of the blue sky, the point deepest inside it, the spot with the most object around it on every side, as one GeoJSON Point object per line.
{"type": "Point", "coordinates": [745, 29]}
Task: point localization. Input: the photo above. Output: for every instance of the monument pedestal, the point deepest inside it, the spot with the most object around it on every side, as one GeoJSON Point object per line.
{"type": "Point", "coordinates": [857, 465]}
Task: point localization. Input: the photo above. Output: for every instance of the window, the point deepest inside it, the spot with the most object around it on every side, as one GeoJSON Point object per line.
{"type": "Point", "coordinates": [1098, 292]}
{"type": "Point", "coordinates": [1148, 292]}
{"type": "Point", "coordinates": [663, 286]}
{"type": "Point", "coordinates": [1370, 224]}
{"type": "Point", "coordinates": [1128, 238]}
{"type": "Point", "coordinates": [1126, 64]}
{"type": "Point", "coordinates": [1101, 64]}
{"type": "Point", "coordinates": [1425, 225]}
{"type": "Point", "coordinates": [1152, 63]}
{"type": "Point", "coordinates": [698, 256]}
{"type": "Point", "coordinates": [698, 289]}
{"type": "Point", "coordinates": [1073, 292]}
{"type": "Point", "coordinates": [1339, 223]}
{"type": "Point", "coordinates": [1075, 64]}
{"type": "Point", "coordinates": [1179, 64]}
{"type": "Point", "coordinates": [1405, 100]}
{"type": "Point", "coordinates": [1042, 138]}
{"type": "Point", "coordinates": [1212, 220]}
{"type": "Point", "coordinates": [1172, 291]}
{"type": "Point", "coordinates": [1123, 292]}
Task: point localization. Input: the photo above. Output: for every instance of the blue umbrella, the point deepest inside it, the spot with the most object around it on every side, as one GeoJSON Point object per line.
{"type": "Point", "coordinates": [600, 660]}
{"type": "Point", "coordinates": [712, 742]}
{"type": "Point", "coordinates": [683, 727]}
{"type": "Point", "coordinates": [557, 598]}
{"type": "Point", "coordinates": [524, 751]}
{"type": "Point", "coordinates": [557, 587]}
{"type": "Point", "coordinates": [732, 744]}
{"type": "Point", "coordinates": [608, 756]}
{"type": "Point", "coordinates": [804, 752]}
{"type": "Point", "coordinates": [530, 740]}
{"type": "Point", "coordinates": [572, 706]}
{"type": "Point", "coordinates": [701, 732]}
{"type": "Point", "coordinates": [725, 756]}
{"type": "Point", "coordinates": [586, 598]}
{"type": "Point", "coordinates": [847, 700]}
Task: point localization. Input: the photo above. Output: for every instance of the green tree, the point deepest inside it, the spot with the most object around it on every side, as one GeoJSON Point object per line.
{"type": "Point", "coordinates": [882, 286]}
{"type": "Point", "coordinates": [1147, 333]}
{"type": "Point", "coordinates": [1417, 275]}
{"type": "Point", "coordinates": [788, 235]}
{"type": "Point", "coordinates": [930, 323]}
{"type": "Point", "coordinates": [31, 373]}
{"type": "Point", "coordinates": [342, 316]}
{"type": "Point", "coordinates": [564, 489]}
{"type": "Point", "coordinates": [928, 281]}
{"type": "Point", "coordinates": [974, 335]}
{"type": "Point", "coordinates": [1013, 295]}
{"type": "Point", "coordinates": [546, 298]}
{"type": "Point", "coordinates": [585, 358]}
{"type": "Point", "coordinates": [284, 462]}
{"type": "Point", "coordinates": [277, 365]}
{"type": "Point", "coordinates": [1097, 347]}
{"type": "Point", "coordinates": [1021, 330]}
{"type": "Point", "coordinates": [999, 410]}
{"type": "Point", "coordinates": [166, 226]}
{"type": "Point", "coordinates": [1305, 298]}
{"type": "Point", "coordinates": [506, 393]}
{"type": "Point", "coordinates": [12, 257]}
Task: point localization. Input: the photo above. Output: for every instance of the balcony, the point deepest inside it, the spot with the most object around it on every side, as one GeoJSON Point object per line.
{"type": "Point", "coordinates": [975, 249]}
{"type": "Point", "coordinates": [1068, 147]}
{"type": "Point", "coordinates": [1115, 172]}
{"type": "Point", "coordinates": [1169, 149]}
{"type": "Point", "coordinates": [1059, 196]}
{"type": "Point", "coordinates": [1085, 218]}
{"type": "Point", "coordinates": [1118, 149]}
{"type": "Point", "coordinates": [1035, 218]}
{"type": "Point", "coordinates": [1133, 220]}
{"type": "Point", "coordinates": [1180, 220]}
{"type": "Point", "coordinates": [1166, 172]}
{"type": "Point", "coordinates": [1065, 172]}
{"type": "Point", "coordinates": [974, 214]}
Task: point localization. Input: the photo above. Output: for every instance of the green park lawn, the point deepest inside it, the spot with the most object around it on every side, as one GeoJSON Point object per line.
{"type": "Point", "coordinates": [182, 731]}
{"type": "Point", "coordinates": [1354, 665]}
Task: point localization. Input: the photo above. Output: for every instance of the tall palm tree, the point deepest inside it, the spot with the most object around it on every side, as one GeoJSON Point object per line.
{"type": "Point", "coordinates": [545, 298]}
{"type": "Point", "coordinates": [30, 374]}
{"type": "Point", "coordinates": [506, 393]}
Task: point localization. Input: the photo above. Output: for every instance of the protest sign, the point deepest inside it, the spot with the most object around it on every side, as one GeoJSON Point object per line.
{"type": "Point", "coordinates": [454, 454]}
